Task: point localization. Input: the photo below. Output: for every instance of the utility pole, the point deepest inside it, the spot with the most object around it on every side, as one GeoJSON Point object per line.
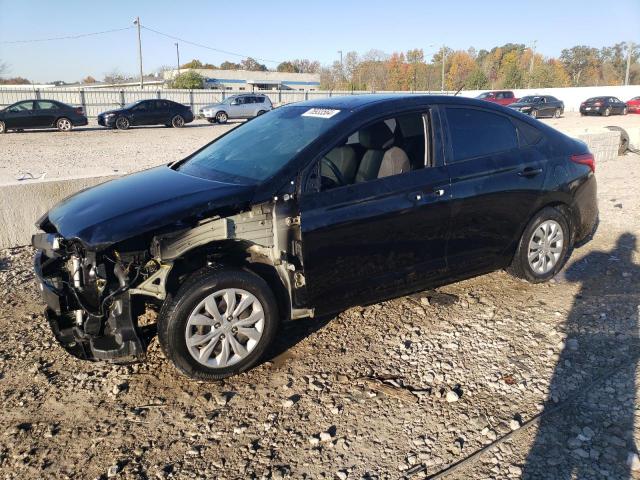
{"type": "Point", "coordinates": [629, 50]}
{"type": "Point", "coordinates": [178, 54]}
{"type": "Point", "coordinates": [137, 22]}
{"type": "Point", "coordinates": [443, 60]}
{"type": "Point", "coordinates": [533, 54]}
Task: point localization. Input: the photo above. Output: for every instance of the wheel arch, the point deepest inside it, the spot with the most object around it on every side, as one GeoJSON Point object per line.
{"type": "Point", "coordinates": [230, 254]}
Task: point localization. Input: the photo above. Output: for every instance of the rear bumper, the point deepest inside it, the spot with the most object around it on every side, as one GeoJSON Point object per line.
{"type": "Point", "coordinates": [112, 337]}
{"type": "Point", "coordinates": [80, 122]}
{"type": "Point", "coordinates": [586, 209]}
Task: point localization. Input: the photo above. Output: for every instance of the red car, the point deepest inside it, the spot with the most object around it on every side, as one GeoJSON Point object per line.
{"type": "Point", "coordinates": [502, 97]}
{"type": "Point", "coordinates": [633, 105]}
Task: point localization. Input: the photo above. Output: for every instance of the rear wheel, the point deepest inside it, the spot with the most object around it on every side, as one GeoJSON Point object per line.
{"type": "Point", "coordinates": [543, 248]}
{"type": "Point", "coordinates": [261, 112]}
{"type": "Point", "coordinates": [607, 112]}
{"type": "Point", "coordinates": [222, 117]}
{"type": "Point", "coordinates": [122, 123]}
{"type": "Point", "coordinates": [177, 121]}
{"type": "Point", "coordinates": [64, 124]}
{"type": "Point", "coordinates": [557, 113]}
{"type": "Point", "coordinates": [3, 128]}
{"type": "Point", "coordinates": [219, 323]}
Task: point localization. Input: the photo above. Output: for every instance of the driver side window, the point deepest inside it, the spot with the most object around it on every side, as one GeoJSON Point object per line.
{"type": "Point", "coordinates": [388, 147]}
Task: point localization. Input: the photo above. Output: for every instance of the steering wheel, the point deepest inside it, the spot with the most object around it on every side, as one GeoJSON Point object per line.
{"type": "Point", "coordinates": [336, 171]}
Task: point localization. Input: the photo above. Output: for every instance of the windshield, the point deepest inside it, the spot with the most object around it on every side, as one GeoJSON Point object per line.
{"type": "Point", "coordinates": [256, 150]}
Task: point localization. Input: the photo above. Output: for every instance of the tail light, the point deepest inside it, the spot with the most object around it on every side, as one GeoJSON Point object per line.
{"type": "Point", "coordinates": [585, 159]}
{"type": "Point", "coordinates": [80, 110]}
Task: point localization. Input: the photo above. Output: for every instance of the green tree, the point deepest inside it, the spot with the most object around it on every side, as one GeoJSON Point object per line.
{"type": "Point", "coordinates": [286, 67]}
{"type": "Point", "coordinates": [226, 65]}
{"type": "Point", "coordinates": [253, 65]}
{"type": "Point", "coordinates": [477, 80]}
{"type": "Point", "coordinates": [582, 63]}
{"type": "Point", "coordinates": [190, 80]}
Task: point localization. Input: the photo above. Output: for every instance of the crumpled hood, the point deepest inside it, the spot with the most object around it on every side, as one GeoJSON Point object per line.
{"type": "Point", "coordinates": [140, 203]}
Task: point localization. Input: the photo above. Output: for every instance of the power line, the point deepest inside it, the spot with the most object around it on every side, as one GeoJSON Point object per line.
{"type": "Point", "coordinates": [67, 37]}
{"type": "Point", "coordinates": [226, 52]}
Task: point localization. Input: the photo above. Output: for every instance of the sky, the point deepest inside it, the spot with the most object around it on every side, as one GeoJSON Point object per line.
{"type": "Point", "coordinates": [281, 30]}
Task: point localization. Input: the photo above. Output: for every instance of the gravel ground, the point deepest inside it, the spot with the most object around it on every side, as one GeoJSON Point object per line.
{"type": "Point", "coordinates": [401, 389]}
{"type": "Point", "coordinates": [95, 150]}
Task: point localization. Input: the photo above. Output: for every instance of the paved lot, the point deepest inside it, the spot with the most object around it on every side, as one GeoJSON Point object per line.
{"type": "Point", "coordinates": [94, 150]}
{"type": "Point", "coordinates": [401, 389]}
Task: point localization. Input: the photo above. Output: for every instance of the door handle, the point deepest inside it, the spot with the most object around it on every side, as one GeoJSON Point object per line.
{"type": "Point", "coordinates": [530, 172]}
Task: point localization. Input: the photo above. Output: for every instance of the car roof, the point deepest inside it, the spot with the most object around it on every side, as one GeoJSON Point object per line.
{"type": "Point", "coordinates": [358, 102]}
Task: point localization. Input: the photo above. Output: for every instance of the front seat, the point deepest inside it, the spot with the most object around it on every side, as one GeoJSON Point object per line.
{"type": "Point", "coordinates": [394, 162]}
{"type": "Point", "coordinates": [344, 158]}
{"type": "Point", "coordinates": [376, 138]}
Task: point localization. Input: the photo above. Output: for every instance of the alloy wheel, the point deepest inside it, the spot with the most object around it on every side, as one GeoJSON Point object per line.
{"type": "Point", "coordinates": [224, 328]}
{"type": "Point", "coordinates": [177, 122]}
{"type": "Point", "coordinates": [3, 128]}
{"type": "Point", "coordinates": [122, 123]}
{"type": "Point", "coordinates": [221, 117]}
{"type": "Point", "coordinates": [545, 247]}
{"type": "Point", "coordinates": [64, 125]}
{"type": "Point", "coordinates": [558, 113]}
{"type": "Point", "coordinates": [534, 113]}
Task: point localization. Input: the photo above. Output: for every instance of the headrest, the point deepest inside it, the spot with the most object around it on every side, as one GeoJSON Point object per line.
{"type": "Point", "coordinates": [376, 136]}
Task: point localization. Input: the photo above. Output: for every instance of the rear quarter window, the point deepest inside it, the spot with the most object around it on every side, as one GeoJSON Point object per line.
{"type": "Point", "coordinates": [527, 134]}
{"type": "Point", "coordinates": [476, 133]}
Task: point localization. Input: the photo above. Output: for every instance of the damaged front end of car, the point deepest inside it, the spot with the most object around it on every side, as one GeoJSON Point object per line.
{"type": "Point", "coordinates": [88, 297]}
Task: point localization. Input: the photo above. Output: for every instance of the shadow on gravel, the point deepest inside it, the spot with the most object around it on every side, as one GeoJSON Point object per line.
{"type": "Point", "coordinates": [292, 333]}
{"type": "Point", "coordinates": [587, 426]}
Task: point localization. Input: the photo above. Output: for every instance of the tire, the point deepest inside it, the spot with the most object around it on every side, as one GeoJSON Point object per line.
{"type": "Point", "coordinates": [607, 111]}
{"type": "Point", "coordinates": [122, 123]}
{"type": "Point", "coordinates": [3, 128]}
{"type": "Point", "coordinates": [534, 113]}
{"type": "Point", "coordinates": [64, 124]}
{"type": "Point", "coordinates": [557, 113]}
{"type": "Point", "coordinates": [535, 271]}
{"type": "Point", "coordinates": [624, 111]}
{"type": "Point", "coordinates": [261, 112]}
{"type": "Point", "coordinates": [177, 121]}
{"type": "Point", "coordinates": [188, 305]}
{"type": "Point", "coordinates": [222, 117]}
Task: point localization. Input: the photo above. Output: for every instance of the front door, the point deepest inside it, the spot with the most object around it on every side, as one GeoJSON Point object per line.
{"type": "Point", "coordinates": [496, 181]}
{"type": "Point", "coordinates": [377, 225]}
{"type": "Point", "coordinates": [20, 115]}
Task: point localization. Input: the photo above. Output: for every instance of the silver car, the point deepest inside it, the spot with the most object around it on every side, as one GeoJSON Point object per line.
{"type": "Point", "coordinates": [237, 106]}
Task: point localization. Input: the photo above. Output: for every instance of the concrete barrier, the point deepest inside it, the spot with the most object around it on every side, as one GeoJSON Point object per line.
{"type": "Point", "coordinates": [22, 203]}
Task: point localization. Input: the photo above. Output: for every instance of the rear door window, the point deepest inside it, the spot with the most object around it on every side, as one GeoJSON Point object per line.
{"type": "Point", "coordinates": [476, 133]}
{"type": "Point", "coordinates": [47, 105]}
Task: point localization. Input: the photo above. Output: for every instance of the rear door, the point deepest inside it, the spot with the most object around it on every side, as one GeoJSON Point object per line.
{"type": "Point", "coordinates": [368, 240]}
{"type": "Point", "coordinates": [496, 179]}
{"type": "Point", "coordinates": [46, 113]}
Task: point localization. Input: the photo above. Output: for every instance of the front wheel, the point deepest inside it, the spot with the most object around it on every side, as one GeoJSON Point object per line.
{"type": "Point", "coordinates": [607, 112]}
{"type": "Point", "coordinates": [543, 248]}
{"type": "Point", "coordinates": [624, 111]}
{"type": "Point", "coordinates": [122, 123]}
{"type": "Point", "coordinates": [64, 124]}
{"type": "Point", "coordinates": [557, 113]}
{"type": "Point", "coordinates": [222, 117]}
{"type": "Point", "coordinates": [261, 112]}
{"type": "Point", "coordinates": [177, 121]}
{"type": "Point", "coordinates": [534, 113]}
{"type": "Point", "coordinates": [3, 128]}
{"type": "Point", "coordinates": [219, 323]}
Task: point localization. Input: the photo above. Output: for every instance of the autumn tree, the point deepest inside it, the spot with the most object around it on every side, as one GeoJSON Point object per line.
{"type": "Point", "coordinates": [461, 65]}
{"type": "Point", "coordinates": [252, 65]}
{"type": "Point", "coordinates": [88, 79]}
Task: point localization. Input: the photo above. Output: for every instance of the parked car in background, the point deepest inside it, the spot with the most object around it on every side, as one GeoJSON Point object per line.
{"type": "Point", "coordinates": [501, 97]}
{"type": "Point", "coordinates": [246, 105]}
{"type": "Point", "coordinates": [603, 106]}
{"type": "Point", "coordinates": [147, 112]}
{"type": "Point", "coordinates": [633, 105]}
{"type": "Point", "coordinates": [306, 211]}
{"type": "Point", "coordinates": [539, 106]}
{"type": "Point", "coordinates": [41, 114]}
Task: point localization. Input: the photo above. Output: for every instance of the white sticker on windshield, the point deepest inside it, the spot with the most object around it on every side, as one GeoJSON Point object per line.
{"type": "Point", "coordinates": [320, 112]}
